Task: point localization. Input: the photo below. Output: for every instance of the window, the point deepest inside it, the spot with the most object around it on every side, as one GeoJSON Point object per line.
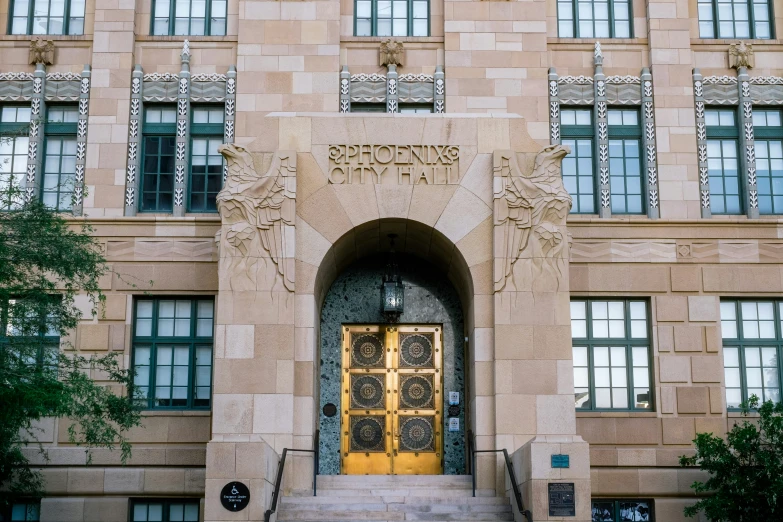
{"type": "Point", "coordinates": [723, 161]}
{"type": "Point", "coordinates": [185, 510]}
{"type": "Point", "coordinates": [190, 17]}
{"type": "Point", "coordinates": [172, 352]}
{"type": "Point", "coordinates": [28, 511]}
{"type": "Point", "coordinates": [391, 18]}
{"type": "Point", "coordinates": [47, 17]}
{"type": "Point", "coordinates": [611, 355]}
{"type": "Point", "coordinates": [626, 510]}
{"type": "Point", "coordinates": [159, 147]}
{"type": "Point", "coordinates": [416, 109]}
{"type": "Point", "coordinates": [13, 154]}
{"type": "Point", "coordinates": [735, 19]}
{"type": "Point", "coordinates": [594, 18]}
{"type": "Point", "coordinates": [768, 132]}
{"type": "Point", "coordinates": [625, 163]}
{"type": "Point", "coordinates": [751, 332]}
{"type": "Point", "coordinates": [206, 163]}
{"type": "Point", "coordinates": [578, 166]}
{"type": "Point", "coordinates": [60, 158]}
{"type": "Point", "coordinates": [368, 107]}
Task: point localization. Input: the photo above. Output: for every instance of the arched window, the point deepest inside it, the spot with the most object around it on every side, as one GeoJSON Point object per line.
{"type": "Point", "coordinates": [391, 18]}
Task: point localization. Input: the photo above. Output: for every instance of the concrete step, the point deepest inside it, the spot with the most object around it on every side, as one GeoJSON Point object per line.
{"type": "Point", "coordinates": [345, 516]}
{"type": "Point", "coordinates": [398, 507]}
{"type": "Point", "coordinates": [381, 492]}
{"type": "Point", "coordinates": [310, 499]}
{"type": "Point", "coordinates": [392, 481]}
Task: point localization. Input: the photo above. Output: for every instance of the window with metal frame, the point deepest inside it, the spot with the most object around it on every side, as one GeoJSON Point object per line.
{"type": "Point", "coordinates": [623, 510]}
{"type": "Point", "coordinates": [735, 19]}
{"type": "Point", "coordinates": [189, 17]}
{"type": "Point", "coordinates": [172, 352]}
{"type": "Point", "coordinates": [626, 183]}
{"type": "Point", "coordinates": [391, 18]}
{"type": "Point", "coordinates": [752, 342]}
{"type": "Point", "coordinates": [723, 161]}
{"type": "Point", "coordinates": [413, 108]}
{"type": "Point", "coordinates": [59, 166]}
{"type": "Point", "coordinates": [579, 166]}
{"type": "Point", "coordinates": [14, 142]}
{"type": "Point", "coordinates": [159, 145]}
{"type": "Point", "coordinates": [47, 17]}
{"type": "Point", "coordinates": [611, 348]}
{"type": "Point", "coordinates": [594, 19]}
{"type": "Point", "coordinates": [768, 133]}
{"type": "Point", "coordinates": [206, 163]}
{"type": "Point", "coordinates": [164, 510]}
{"type": "Point", "coordinates": [368, 107]}
{"type": "Point", "coordinates": [28, 330]}
{"type": "Point", "coordinates": [22, 511]}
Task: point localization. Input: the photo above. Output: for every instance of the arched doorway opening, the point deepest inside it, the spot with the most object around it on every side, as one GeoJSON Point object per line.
{"type": "Point", "coordinates": [436, 283]}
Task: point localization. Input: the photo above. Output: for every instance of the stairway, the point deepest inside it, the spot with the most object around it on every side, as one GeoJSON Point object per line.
{"type": "Point", "coordinates": [444, 498]}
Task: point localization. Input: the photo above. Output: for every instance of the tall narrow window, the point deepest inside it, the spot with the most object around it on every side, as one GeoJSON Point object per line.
{"type": "Point", "coordinates": [14, 126]}
{"type": "Point", "coordinates": [189, 17]}
{"type": "Point", "coordinates": [723, 161]}
{"type": "Point", "coordinates": [735, 19]}
{"type": "Point", "coordinates": [47, 17]}
{"type": "Point", "coordinates": [22, 511]}
{"type": "Point", "coordinates": [391, 17]}
{"type": "Point", "coordinates": [172, 352]}
{"type": "Point", "coordinates": [752, 340]}
{"type": "Point", "coordinates": [578, 167]}
{"type": "Point", "coordinates": [158, 148]}
{"type": "Point", "coordinates": [60, 158]}
{"type": "Point", "coordinates": [206, 163]}
{"type": "Point", "coordinates": [594, 18]}
{"type": "Point", "coordinates": [625, 164]}
{"type": "Point", "coordinates": [611, 354]}
{"type": "Point", "coordinates": [768, 133]}
{"type": "Point", "coordinates": [175, 510]}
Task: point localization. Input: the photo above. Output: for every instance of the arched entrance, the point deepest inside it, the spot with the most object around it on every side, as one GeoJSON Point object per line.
{"type": "Point", "coordinates": [428, 437]}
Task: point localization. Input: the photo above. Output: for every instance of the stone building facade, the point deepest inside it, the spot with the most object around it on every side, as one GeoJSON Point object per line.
{"type": "Point", "coordinates": [612, 333]}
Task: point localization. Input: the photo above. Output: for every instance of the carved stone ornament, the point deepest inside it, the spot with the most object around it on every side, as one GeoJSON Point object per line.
{"type": "Point", "coordinates": [741, 55]}
{"type": "Point", "coordinates": [392, 53]}
{"type": "Point", "coordinates": [258, 214]}
{"type": "Point", "coordinates": [41, 51]}
{"type": "Point", "coordinates": [530, 220]}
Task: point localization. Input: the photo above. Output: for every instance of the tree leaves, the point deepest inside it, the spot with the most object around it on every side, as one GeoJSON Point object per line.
{"type": "Point", "coordinates": [745, 468]}
{"type": "Point", "coordinates": [45, 262]}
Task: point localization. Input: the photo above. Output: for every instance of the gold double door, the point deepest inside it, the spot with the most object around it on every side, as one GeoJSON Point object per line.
{"type": "Point", "coordinates": [392, 400]}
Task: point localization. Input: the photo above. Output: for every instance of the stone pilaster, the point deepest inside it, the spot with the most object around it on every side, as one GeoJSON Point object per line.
{"type": "Point", "coordinates": [650, 155]}
{"type": "Point", "coordinates": [81, 142]}
{"type": "Point", "coordinates": [392, 91]}
{"type": "Point", "coordinates": [532, 309]}
{"type": "Point", "coordinates": [554, 109]}
{"type": "Point", "coordinates": [601, 135]}
{"type": "Point", "coordinates": [701, 145]}
{"type": "Point", "coordinates": [747, 147]}
{"type": "Point", "coordinates": [183, 132]}
{"type": "Point", "coordinates": [35, 152]}
{"type": "Point", "coordinates": [440, 90]}
{"type": "Point", "coordinates": [345, 89]}
{"type": "Point", "coordinates": [230, 113]}
{"type": "Point", "coordinates": [133, 169]}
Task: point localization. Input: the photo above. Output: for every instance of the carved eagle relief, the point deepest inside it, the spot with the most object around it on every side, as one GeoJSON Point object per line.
{"type": "Point", "coordinates": [260, 207]}
{"type": "Point", "coordinates": [530, 210]}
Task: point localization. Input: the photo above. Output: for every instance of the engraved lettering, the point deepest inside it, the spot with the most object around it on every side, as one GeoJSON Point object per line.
{"type": "Point", "coordinates": [415, 164]}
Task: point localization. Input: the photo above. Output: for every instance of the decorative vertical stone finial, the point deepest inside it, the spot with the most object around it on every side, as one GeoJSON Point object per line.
{"type": "Point", "coordinates": [741, 55]}
{"type": "Point", "coordinates": [391, 53]}
{"type": "Point", "coordinates": [186, 49]}
{"type": "Point", "coordinates": [41, 51]}
{"type": "Point", "coordinates": [598, 54]}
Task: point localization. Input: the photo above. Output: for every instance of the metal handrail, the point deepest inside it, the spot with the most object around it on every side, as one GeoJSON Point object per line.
{"type": "Point", "coordinates": [281, 466]}
{"type": "Point", "coordinates": [511, 475]}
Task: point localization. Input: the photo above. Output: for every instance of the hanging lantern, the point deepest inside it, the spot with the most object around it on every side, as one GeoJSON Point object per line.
{"type": "Point", "coordinates": [392, 290]}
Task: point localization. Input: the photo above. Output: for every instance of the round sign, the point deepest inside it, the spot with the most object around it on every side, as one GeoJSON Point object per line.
{"type": "Point", "coordinates": [453, 411]}
{"type": "Point", "coordinates": [235, 496]}
{"type": "Point", "coordinates": [330, 410]}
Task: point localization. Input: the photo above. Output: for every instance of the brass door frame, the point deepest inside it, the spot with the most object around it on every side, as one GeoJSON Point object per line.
{"type": "Point", "coordinates": [387, 372]}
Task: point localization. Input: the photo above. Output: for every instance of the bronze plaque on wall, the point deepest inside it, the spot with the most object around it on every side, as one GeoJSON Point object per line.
{"type": "Point", "coordinates": [562, 501]}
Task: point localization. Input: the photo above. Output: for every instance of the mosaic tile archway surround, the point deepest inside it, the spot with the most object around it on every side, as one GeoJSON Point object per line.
{"type": "Point", "coordinates": [354, 297]}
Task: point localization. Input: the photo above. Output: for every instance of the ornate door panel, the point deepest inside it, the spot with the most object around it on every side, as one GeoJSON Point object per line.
{"type": "Point", "coordinates": [392, 400]}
